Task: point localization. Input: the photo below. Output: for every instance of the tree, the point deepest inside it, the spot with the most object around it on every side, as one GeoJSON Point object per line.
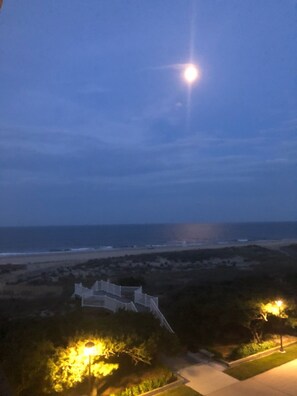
{"type": "Point", "coordinates": [68, 366]}
{"type": "Point", "coordinates": [253, 315]}
{"type": "Point", "coordinates": [32, 351]}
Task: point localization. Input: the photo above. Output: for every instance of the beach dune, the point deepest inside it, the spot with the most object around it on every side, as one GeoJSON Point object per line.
{"type": "Point", "coordinates": [50, 260]}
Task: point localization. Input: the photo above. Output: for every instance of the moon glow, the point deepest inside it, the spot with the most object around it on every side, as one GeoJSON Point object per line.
{"type": "Point", "coordinates": [191, 73]}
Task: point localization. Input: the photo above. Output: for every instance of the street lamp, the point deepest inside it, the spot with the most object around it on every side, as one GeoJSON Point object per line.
{"type": "Point", "coordinates": [279, 303]}
{"type": "Point", "coordinates": [89, 351]}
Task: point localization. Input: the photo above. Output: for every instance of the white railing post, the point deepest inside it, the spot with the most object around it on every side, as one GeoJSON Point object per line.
{"type": "Point", "coordinates": [156, 312]}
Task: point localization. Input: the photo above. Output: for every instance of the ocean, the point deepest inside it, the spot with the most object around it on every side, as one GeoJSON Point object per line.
{"type": "Point", "coordinates": [30, 240]}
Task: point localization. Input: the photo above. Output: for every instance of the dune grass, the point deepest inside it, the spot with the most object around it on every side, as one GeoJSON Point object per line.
{"type": "Point", "coordinates": [258, 366]}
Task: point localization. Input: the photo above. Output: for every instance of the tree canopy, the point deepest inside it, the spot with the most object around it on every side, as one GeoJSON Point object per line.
{"type": "Point", "coordinates": [47, 354]}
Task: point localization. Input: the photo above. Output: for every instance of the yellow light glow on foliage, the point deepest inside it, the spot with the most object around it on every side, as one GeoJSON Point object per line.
{"type": "Point", "coordinates": [274, 308]}
{"type": "Point", "coordinates": [279, 303]}
{"type": "Point", "coordinates": [70, 365]}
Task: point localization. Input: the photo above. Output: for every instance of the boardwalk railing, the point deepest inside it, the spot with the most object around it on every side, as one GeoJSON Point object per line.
{"type": "Point", "coordinates": [93, 298]}
{"type": "Point", "coordinates": [108, 303]}
{"type": "Point", "coordinates": [80, 290]}
{"type": "Point", "coordinates": [107, 287]}
{"type": "Point", "coordinates": [158, 314]}
{"type": "Point", "coordinates": [131, 289]}
{"type": "Point", "coordinates": [144, 299]}
{"type": "Point", "coordinates": [152, 303]}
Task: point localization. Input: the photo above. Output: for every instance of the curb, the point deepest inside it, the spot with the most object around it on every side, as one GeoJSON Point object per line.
{"type": "Point", "coordinates": [256, 356]}
{"type": "Point", "coordinates": [175, 384]}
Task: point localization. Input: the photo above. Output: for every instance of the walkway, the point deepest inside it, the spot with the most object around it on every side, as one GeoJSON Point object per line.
{"type": "Point", "coordinates": [207, 378]}
{"type": "Point", "coordinates": [280, 381]}
{"type": "Point", "coordinates": [200, 373]}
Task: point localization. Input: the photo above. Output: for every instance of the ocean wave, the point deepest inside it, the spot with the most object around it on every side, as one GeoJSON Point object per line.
{"type": "Point", "coordinates": [15, 254]}
{"type": "Point", "coordinates": [54, 251]}
{"type": "Point", "coordinates": [18, 241]}
{"type": "Point", "coordinates": [81, 249]}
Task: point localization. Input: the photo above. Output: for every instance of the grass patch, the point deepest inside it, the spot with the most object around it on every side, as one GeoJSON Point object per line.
{"type": "Point", "coordinates": [180, 391]}
{"type": "Point", "coordinates": [258, 366]}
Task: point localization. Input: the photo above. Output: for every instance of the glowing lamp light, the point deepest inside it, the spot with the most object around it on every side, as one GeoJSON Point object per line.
{"type": "Point", "coordinates": [279, 303]}
{"type": "Point", "coordinates": [191, 73]}
{"type": "Point", "coordinates": [89, 349]}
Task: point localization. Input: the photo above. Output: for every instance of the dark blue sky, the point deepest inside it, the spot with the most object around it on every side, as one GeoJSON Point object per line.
{"type": "Point", "coordinates": [95, 124]}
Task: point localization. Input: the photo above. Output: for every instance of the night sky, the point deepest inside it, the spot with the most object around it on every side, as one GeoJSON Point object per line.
{"type": "Point", "coordinates": [97, 125]}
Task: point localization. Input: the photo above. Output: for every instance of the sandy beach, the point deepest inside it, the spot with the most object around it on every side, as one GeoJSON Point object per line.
{"type": "Point", "coordinates": [50, 260]}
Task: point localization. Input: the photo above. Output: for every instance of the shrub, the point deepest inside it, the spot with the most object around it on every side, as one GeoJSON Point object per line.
{"type": "Point", "coordinates": [250, 349]}
{"type": "Point", "coordinates": [147, 385]}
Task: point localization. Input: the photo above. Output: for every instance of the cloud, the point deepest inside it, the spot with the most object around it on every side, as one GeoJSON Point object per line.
{"type": "Point", "coordinates": [286, 127]}
{"type": "Point", "coordinates": [147, 151]}
{"type": "Point", "coordinates": [54, 155]}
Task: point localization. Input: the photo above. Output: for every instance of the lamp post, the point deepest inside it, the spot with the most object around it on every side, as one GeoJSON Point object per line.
{"type": "Point", "coordinates": [279, 303]}
{"type": "Point", "coordinates": [89, 351]}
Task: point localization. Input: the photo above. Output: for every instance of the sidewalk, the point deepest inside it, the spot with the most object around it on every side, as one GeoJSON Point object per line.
{"type": "Point", "coordinates": [201, 374]}
{"type": "Point", "coordinates": [207, 378]}
{"type": "Point", "coordinates": [279, 381]}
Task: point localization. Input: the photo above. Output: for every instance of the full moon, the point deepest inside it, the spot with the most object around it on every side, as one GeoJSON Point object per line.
{"type": "Point", "coordinates": [191, 73]}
